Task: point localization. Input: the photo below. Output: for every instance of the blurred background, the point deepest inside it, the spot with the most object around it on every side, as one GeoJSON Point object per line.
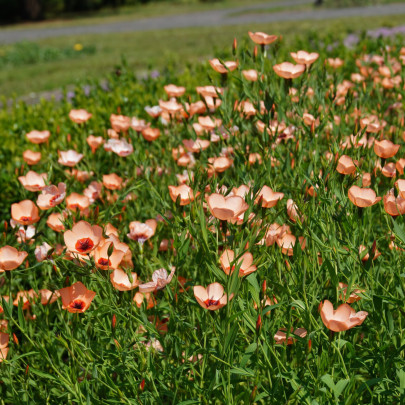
{"type": "Point", "coordinates": [48, 46]}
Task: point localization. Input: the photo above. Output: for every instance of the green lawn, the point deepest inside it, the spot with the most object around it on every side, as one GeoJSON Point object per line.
{"type": "Point", "coordinates": [154, 49]}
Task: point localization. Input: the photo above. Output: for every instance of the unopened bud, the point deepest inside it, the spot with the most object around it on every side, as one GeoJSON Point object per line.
{"type": "Point", "coordinates": [113, 321]}
{"type": "Point", "coordinates": [142, 385]}
{"type": "Point", "coordinates": [259, 322]}
{"type": "Point", "coordinates": [15, 339]}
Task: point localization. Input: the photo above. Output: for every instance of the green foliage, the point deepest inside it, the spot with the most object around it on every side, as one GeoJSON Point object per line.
{"type": "Point", "coordinates": [224, 356]}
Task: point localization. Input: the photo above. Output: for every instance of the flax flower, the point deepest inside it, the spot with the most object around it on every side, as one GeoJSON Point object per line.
{"type": "Point", "coordinates": [94, 142]}
{"type": "Point", "coordinates": [33, 181]}
{"type": "Point", "coordinates": [228, 263]}
{"type": "Point", "coordinates": [346, 165]}
{"type": "Point", "coordinates": [385, 149]}
{"type": "Point", "coordinates": [83, 237]}
{"type": "Point", "coordinates": [11, 258]}
{"type": "Point", "coordinates": [79, 116]}
{"type": "Point", "coordinates": [120, 123]}
{"type": "Point", "coordinates": [51, 196]}
{"type": "Point", "coordinates": [112, 181]}
{"type": "Point", "coordinates": [211, 297]}
{"type": "Point", "coordinates": [103, 260]}
{"type": "Point", "coordinates": [183, 191]}
{"type": "Point", "coordinates": [139, 298]}
{"type": "Point", "coordinates": [38, 136]}
{"type": "Point", "coordinates": [31, 158]}
{"type": "Point", "coordinates": [174, 91]}
{"type": "Point", "coordinates": [141, 232]}
{"type": "Point", "coordinates": [226, 208]}
{"type": "Point", "coordinates": [69, 158]}
{"type": "Point", "coordinates": [76, 201]}
{"type": "Point", "coordinates": [262, 38]}
{"type": "Point", "coordinates": [353, 297]}
{"type": "Point", "coordinates": [268, 198]}
{"type": "Point", "coordinates": [121, 282]}
{"type": "Point", "coordinates": [394, 206]}
{"type": "Point", "coordinates": [281, 336]}
{"type": "Point", "coordinates": [363, 197]}
{"type": "Point", "coordinates": [400, 184]}
{"type": "Point", "coordinates": [55, 222]}
{"type": "Point", "coordinates": [304, 57]}
{"type": "Point", "coordinates": [288, 70]}
{"type": "Point", "coordinates": [344, 318]}
{"type": "Point", "coordinates": [76, 298]}
{"type": "Point", "coordinates": [160, 279]}
{"type": "Point", "coordinates": [25, 212]}
{"type": "Point", "coordinates": [225, 67]}
{"type": "Point", "coordinates": [251, 75]}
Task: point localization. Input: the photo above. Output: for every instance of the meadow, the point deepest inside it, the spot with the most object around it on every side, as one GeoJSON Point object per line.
{"type": "Point", "coordinates": [230, 232]}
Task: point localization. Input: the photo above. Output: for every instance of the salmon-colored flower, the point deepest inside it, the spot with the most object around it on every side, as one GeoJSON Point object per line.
{"type": "Point", "coordinates": [93, 191]}
{"type": "Point", "coordinates": [138, 125]}
{"type": "Point", "coordinates": [344, 318]}
{"type": "Point", "coordinates": [281, 336]}
{"type": "Point", "coordinates": [293, 212]}
{"type": "Point", "coordinates": [274, 232]}
{"type": "Point", "coordinates": [76, 201]}
{"type": "Point", "coordinates": [33, 181]}
{"type": "Point", "coordinates": [353, 297]}
{"type": "Point", "coordinates": [335, 63]}
{"type": "Point", "coordinates": [394, 206]}
{"type": "Point", "coordinates": [228, 263]}
{"type": "Point", "coordinates": [363, 197]}
{"type": "Point", "coordinates": [183, 191]}
{"type": "Point", "coordinates": [140, 297]}
{"type": "Point", "coordinates": [94, 142]}
{"type": "Point", "coordinates": [112, 181]}
{"type": "Point", "coordinates": [389, 170]}
{"type": "Point", "coordinates": [287, 243]}
{"type": "Point", "coordinates": [83, 237]}
{"type": "Point", "coordinates": [288, 70]}
{"type": "Point", "coordinates": [174, 91]}
{"type": "Point", "coordinates": [55, 222]}
{"type": "Point", "coordinates": [251, 75]}
{"type": "Point", "coordinates": [346, 165]}
{"type": "Point", "coordinates": [268, 198]}
{"type": "Point", "coordinates": [151, 134]}
{"type": "Point", "coordinates": [79, 116]}
{"type": "Point", "coordinates": [385, 149]}
{"type": "Point", "coordinates": [3, 353]}
{"type": "Point", "coordinates": [366, 180]}
{"type": "Point", "coordinates": [69, 158]}
{"type": "Point", "coordinates": [25, 212]}
{"type": "Point", "coordinates": [11, 258]}
{"type": "Point", "coordinates": [81, 175]}
{"type": "Point", "coordinates": [221, 163]}
{"type": "Point", "coordinates": [304, 57]}
{"type": "Point", "coordinates": [104, 261]}
{"type": "Point", "coordinates": [41, 251]}
{"type": "Point", "coordinates": [400, 166]}
{"type": "Point", "coordinates": [51, 196]}
{"type": "Point", "coordinates": [121, 282]}
{"type": "Point", "coordinates": [120, 123]}
{"type": "Point", "coordinates": [76, 298]}
{"type": "Point", "coordinates": [400, 184]}
{"type": "Point", "coordinates": [211, 297]}
{"type": "Point", "coordinates": [31, 157]}
{"type": "Point", "coordinates": [225, 67]}
{"type": "Point", "coordinates": [160, 279]}
{"type": "Point", "coordinates": [38, 136]}
{"type": "Point", "coordinates": [142, 231]}
{"type": "Point", "coordinates": [262, 38]}
{"type": "Point", "coordinates": [196, 146]}
{"type": "Point", "coordinates": [226, 208]}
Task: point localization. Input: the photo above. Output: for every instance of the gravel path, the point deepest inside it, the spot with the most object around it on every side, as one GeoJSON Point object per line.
{"type": "Point", "coordinates": [206, 19]}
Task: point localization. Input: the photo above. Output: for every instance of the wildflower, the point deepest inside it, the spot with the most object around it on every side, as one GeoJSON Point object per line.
{"type": "Point", "coordinates": [268, 198]}
{"type": "Point", "coordinates": [160, 279]}
{"type": "Point", "coordinates": [38, 136]}
{"type": "Point", "coordinates": [25, 212]}
{"type": "Point", "coordinates": [76, 298]}
{"type": "Point", "coordinates": [142, 231]}
{"type": "Point", "coordinates": [33, 181]}
{"type": "Point", "coordinates": [11, 258]}
{"type": "Point", "coordinates": [363, 197]}
{"type": "Point", "coordinates": [228, 263]}
{"type": "Point", "coordinates": [262, 38]}
{"type": "Point", "coordinates": [79, 116]}
{"type": "Point", "coordinates": [51, 196]}
{"type": "Point", "coordinates": [183, 191]}
{"type": "Point", "coordinates": [288, 70]}
{"type": "Point", "coordinates": [211, 297]}
{"type": "Point", "coordinates": [226, 208]}
{"type": "Point", "coordinates": [281, 336]}
{"type": "Point", "coordinates": [344, 318]}
{"type": "Point", "coordinates": [31, 157]}
{"type": "Point", "coordinates": [69, 158]}
{"type": "Point", "coordinates": [83, 238]}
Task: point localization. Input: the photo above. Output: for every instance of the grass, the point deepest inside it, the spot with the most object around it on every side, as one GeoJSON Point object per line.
{"type": "Point", "coordinates": [230, 355]}
{"type": "Point", "coordinates": [152, 50]}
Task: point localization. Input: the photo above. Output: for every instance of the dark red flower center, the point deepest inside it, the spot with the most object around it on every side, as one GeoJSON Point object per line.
{"type": "Point", "coordinates": [25, 219]}
{"type": "Point", "coordinates": [77, 304]}
{"type": "Point", "coordinates": [53, 199]}
{"type": "Point", "coordinates": [104, 262]}
{"type": "Point", "coordinates": [210, 302]}
{"type": "Point", "coordinates": [84, 245]}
